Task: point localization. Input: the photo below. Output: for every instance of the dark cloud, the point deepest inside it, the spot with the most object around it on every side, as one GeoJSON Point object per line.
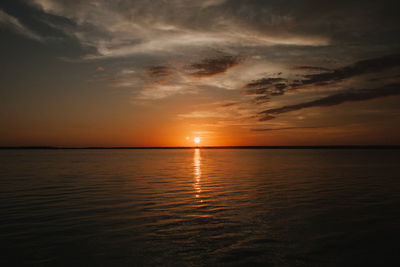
{"type": "Point", "coordinates": [264, 82]}
{"type": "Point", "coordinates": [267, 118]}
{"type": "Point", "coordinates": [13, 23]}
{"type": "Point", "coordinates": [359, 68]}
{"type": "Point", "coordinates": [279, 89]}
{"type": "Point", "coordinates": [266, 88]}
{"type": "Point", "coordinates": [231, 104]}
{"type": "Point", "coordinates": [336, 99]}
{"type": "Point", "coordinates": [212, 66]}
{"type": "Point", "coordinates": [159, 71]}
{"type": "Point", "coordinates": [283, 128]}
{"type": "Point", "coordinates": [362, 67]}
{"type": "Point", "coordinates": [262, 99]}
{"type": "Point", "coordinates": [312, 68]}
{"type": "Point", "coordinates": [395, 77]}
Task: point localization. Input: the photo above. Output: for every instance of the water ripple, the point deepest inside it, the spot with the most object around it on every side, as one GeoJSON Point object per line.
{"type": "Point", "coordinates": [199, 207]}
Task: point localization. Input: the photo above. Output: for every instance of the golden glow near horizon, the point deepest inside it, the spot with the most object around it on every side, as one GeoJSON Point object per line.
{"type": "Point", "coordinates": [172, 80]}
{"type": "Point", "coordinates": [196, 140]}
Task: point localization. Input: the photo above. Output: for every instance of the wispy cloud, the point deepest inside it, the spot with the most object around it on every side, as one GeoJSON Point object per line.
{"type": "Point", "coordinates": [213, 66]}
{"type": "Point", "coordinates": [336, 99]}
{"type": "Point", "coordinates": [158, 71]}
{"type": "Point", "coordinates": [285, 128]}
{"type": "Point", "coordinates": [165, 80]}
{"type": "Point", "coordinates": [343, 84]}
{"type": "Point", "coordinates": [160, 91]}
{"type": "Point", "coordinates": [123, 28]}
{"type": "Point", "coordinates": [265, 88]}
{"type": "Point", "coordinates": [359, 68]}
{"type": "Point", "coordinates": [311, 68]}
{"type": "Point", "coordinates": [15, 25]}
{"type": "Point", "coordinates": [204, 114]}
{"type": "Point", "coordinates": [276, 86]}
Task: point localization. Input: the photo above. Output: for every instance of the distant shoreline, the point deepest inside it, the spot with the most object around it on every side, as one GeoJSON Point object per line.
{"type": "Point", "coordinates": [206, 147]}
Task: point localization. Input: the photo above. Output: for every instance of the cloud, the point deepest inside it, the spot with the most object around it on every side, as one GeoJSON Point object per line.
{"type": "Point", "coordinates": [266, 118]}
{"type": "Point", "coordinates": [264, 82]}
{"type": "Point", "coordinates": [165, 80]}
{"type": "Point", "coordinates": [159, 71]}
{"type": "Point", "coordinates": [15, 25]}
{"type": "Point", "coordinates": [336, 99]}
{"type": "Point", "coordinates": [210, 3]}
{"type": "Point", "coordinates": [265, 88]}
{"type": "Point", "coordinates": [359, 68]}
{"type": "Point", "coordinates": [204, 114]}
{"type": "Point", "coordinates": [284, 128]}
{"type": "Point", "coordinates": [121, 28]}
{"type": "Point", "coordinates": [160, 91]}
{"type": "Point", "coordinates": [229, 104]}
{"type": "Point", "coordinates": [213, 66]}
{"type": "Point", "coordinates": [311, 68]}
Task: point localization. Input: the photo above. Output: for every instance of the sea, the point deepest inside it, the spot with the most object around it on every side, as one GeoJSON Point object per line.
{"type": "Point", "coordinates": [200, 207]}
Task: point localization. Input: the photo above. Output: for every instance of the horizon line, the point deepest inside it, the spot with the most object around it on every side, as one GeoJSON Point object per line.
{"type": "Point", "coordinates": [212, 147]}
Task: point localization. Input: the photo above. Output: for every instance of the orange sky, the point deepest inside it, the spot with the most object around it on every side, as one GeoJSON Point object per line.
{"type": "Point", "coordinates": [229, 72]}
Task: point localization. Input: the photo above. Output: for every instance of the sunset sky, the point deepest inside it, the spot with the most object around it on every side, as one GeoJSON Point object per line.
{"type": "Point", "coordinates": [232, 72]}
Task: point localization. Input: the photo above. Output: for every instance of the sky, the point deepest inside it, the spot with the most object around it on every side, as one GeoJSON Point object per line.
{"type": "Point", "coordinates": [232, 72]}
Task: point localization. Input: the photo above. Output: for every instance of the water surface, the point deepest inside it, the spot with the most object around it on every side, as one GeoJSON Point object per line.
{"type": "Point", "coordinates": [198, 207]}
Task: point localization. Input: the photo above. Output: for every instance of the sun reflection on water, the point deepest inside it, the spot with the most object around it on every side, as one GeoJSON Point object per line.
{"type": "Point", "coordinates": [197, 172]}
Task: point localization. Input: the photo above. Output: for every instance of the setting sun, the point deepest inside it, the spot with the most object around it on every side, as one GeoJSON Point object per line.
{"type": "Point", "coordinates": [197, 140]}
{"type": "Point", "coordinates": [187, 132]}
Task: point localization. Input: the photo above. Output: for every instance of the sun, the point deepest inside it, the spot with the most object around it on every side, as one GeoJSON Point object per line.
{"type": "Point", "coordinates": [197, 140]}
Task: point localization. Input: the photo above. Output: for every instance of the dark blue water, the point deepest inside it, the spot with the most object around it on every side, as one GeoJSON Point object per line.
{"type": "Point", "coordinates": [199, 207]}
